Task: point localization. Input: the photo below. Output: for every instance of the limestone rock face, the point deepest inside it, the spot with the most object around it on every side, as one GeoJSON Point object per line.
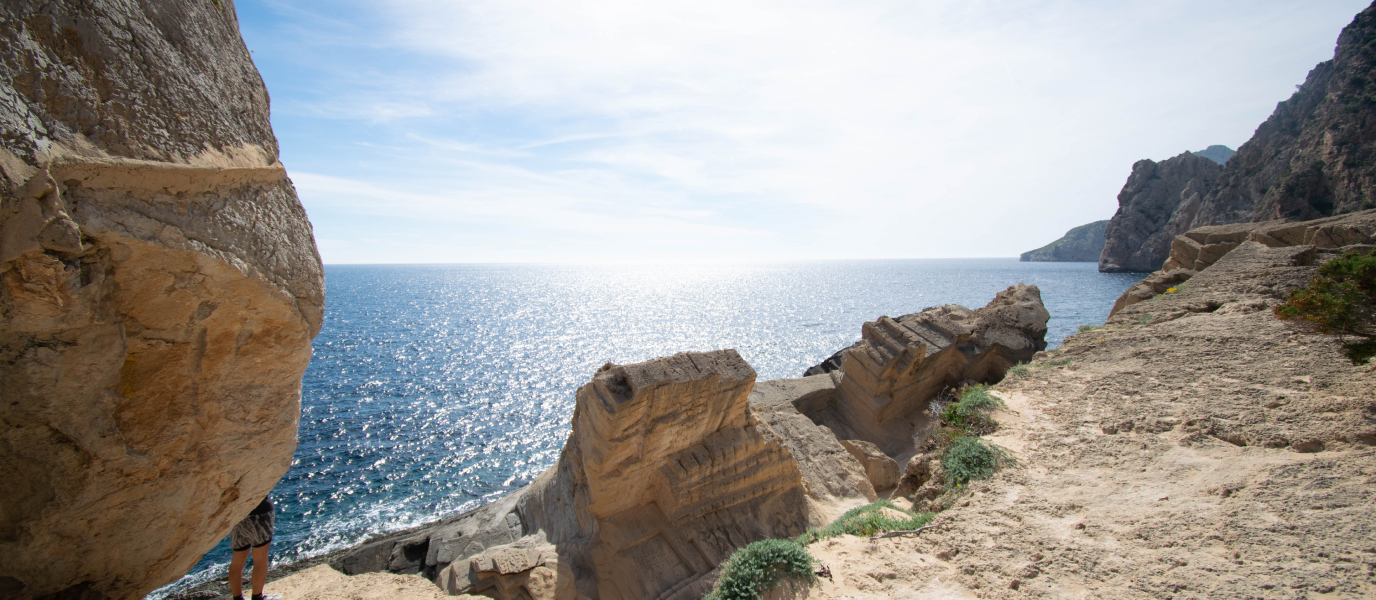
{"type": "Point", "coordinates": [1200, 248]}
{"type": "Point", "coordinates": [159, 288]}
{"type": "Point", "coordinates": [1158, 202]}
{"type": "Point", "coordinates": [1313, 157]}
{"type": "Point", "coordinates": [901, 364]}
{"type": "Point", "coordinates": [1081, 244]}
{"type": "Point", "coordinates": [666, 473]}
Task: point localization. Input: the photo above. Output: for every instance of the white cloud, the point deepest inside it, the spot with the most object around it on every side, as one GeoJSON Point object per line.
{"type": "Point", "coordinates": [881, 129]}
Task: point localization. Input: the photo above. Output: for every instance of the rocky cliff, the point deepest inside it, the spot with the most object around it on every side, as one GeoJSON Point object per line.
{"type": "Point", "coordinates": [159, 288]}
{"type": "Point", "coordinates": [1081, 244]}
{"type": "Point", "coordinates": [1156, 204]}
{"type": "Point", "coordinates": [1316, 155]}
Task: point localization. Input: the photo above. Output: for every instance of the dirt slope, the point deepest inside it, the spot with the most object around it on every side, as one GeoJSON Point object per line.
{"type": "Point", "coordinates": [1196, 448]}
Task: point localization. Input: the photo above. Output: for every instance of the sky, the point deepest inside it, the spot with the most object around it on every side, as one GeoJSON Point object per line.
{"type": "Point", "coordinates": [438, 131]}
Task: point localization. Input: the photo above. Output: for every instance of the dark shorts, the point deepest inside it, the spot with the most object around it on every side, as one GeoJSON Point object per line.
{"type": "Point", "coordinates": [252, 532]}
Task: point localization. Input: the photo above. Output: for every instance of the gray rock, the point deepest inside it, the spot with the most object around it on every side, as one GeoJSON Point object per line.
{"type": "Point", "coordinates": [1217, 153]}
{"type": "Point", "coordinates": [1315, 156]}
{"type": "Point", "coordinates": [1081, 244]}
{"type": "Point", "coordinates": [1157, 203]}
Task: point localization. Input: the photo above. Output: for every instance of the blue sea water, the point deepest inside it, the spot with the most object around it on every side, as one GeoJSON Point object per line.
{"type": "Point", "coordinates": [433, 389]}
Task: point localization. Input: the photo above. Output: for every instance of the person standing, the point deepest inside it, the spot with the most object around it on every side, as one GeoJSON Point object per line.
{"type": "Point", "coordinates": [253, 533]}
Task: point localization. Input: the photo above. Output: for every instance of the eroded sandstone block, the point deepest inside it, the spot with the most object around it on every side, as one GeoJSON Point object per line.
{"type": "Point", "coordinates": [666, 473]}
{"type": "Point", "coordinates": [159, 288]}
{"type": "Point", "coordinates": [901, 364]}
{"type": "Point", "coordinates": [831, 476]}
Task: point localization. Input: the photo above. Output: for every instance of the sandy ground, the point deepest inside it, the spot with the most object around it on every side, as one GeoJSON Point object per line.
{"type": "Point", "coordinates": [1198, 448]}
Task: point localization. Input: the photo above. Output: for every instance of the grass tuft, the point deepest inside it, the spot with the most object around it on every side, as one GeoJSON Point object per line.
{"type": "Point", "coordinates": [970, 457]}
{"type": "Point", "coordinates": [1018, 371]}
{"type": "Point", "coordinates": [866, 521]}
{"type": "Point", "coordinates": [760, 567]}
{"type": "Point", "coordinates": [972, 410]}
{"type": "Point", "coordinates": [1085, 328]}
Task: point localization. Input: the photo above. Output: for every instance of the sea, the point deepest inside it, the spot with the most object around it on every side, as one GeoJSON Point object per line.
{"type": "Point", "coordinates": [434, 389]}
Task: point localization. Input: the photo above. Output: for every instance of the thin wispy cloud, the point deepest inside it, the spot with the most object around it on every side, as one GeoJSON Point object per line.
{"type": "Point", "coordinates": [881, 129]}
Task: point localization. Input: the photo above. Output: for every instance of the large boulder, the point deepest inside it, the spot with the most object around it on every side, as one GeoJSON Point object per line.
{"type": "Point", "coordinates": [159, 288]}
{"type": "Point", "coordinates": [899, 365]}
{"type": "Point", "coordinates": [1157, 203]}
{"type": "Point", "coordinates": [1081, 244]}
{"type": "Point", "coordinates": [666, 473]}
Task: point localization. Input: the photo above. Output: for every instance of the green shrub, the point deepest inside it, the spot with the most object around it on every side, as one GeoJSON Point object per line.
{"type": "Point", "coordinates": [1340, 299]}
{"type": "Point", "coordinates": [970, 457]}
{"type": "Point", "coordinates": [1018, 371]}
{"type": "Point", "coordinates": [1084, 328]}
{"type": "Point", "coordinates": [973, 408]}
{"type": "Point", "coordinates": [760, 567]}
{"type": "Point", "coordinates": [867, 521]}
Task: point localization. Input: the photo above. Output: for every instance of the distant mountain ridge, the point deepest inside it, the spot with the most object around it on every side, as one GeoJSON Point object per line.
{"type": "Point", "coordinates": [1217, 153]}
{"type": "Point", "coordinates": [1081, 244]}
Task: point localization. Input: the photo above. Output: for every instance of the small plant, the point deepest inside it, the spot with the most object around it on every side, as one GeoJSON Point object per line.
{"type": "Point", "coordinates": [972, 410]}
{"type": "Point", "coordinates": [1018, 371]}
{"type": "Point", "coordinates": [1144, 319]}
{"type": "Point", "coordinates": [1085, 328]}
{"type": "Point", "coordinates": [1059, 362]}
{"type": "Point", "coordinates": [1340, 299]}
{"type": "Point", "coordinates": [760, 567]}
{"type": "Point", "coordinates": [1172, 290]}
{"type": "Point", "coordinates": [970, 458]}
{"type": "Point", "coordinates": [866, 521]}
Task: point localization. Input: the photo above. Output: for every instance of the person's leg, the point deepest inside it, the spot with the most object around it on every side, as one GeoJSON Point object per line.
{"type": "Point", "coordinates": [236, 573]}
{"type": "Point", "coordinates": [260, 569]}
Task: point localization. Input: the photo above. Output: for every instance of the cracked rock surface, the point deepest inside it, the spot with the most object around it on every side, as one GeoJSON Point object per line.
{"type": "Point", "coordinates": [159, 289]}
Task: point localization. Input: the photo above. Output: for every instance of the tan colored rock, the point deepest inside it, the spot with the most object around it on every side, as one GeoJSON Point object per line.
{"type": "Point", "coordinates": [1202, 247]}
{"type": "Point", "coordinates": [831, 476]}
{"type": "Point", "coordinates": [159, 288]}
{"type": "Point", "coordinates": [881, 470]}
{"type": "Point", "coordinates": [923, 480]}
{"type": "Point", "coordinates": [901, 364]}
{"type": "Point", "coordinates": [666, 473]}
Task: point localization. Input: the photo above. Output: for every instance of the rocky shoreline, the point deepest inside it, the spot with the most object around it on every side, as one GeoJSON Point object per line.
{"type": "Point", "coordinates": [674, 463]}
{"type": "Point", "coordinates": [1234, 369]}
